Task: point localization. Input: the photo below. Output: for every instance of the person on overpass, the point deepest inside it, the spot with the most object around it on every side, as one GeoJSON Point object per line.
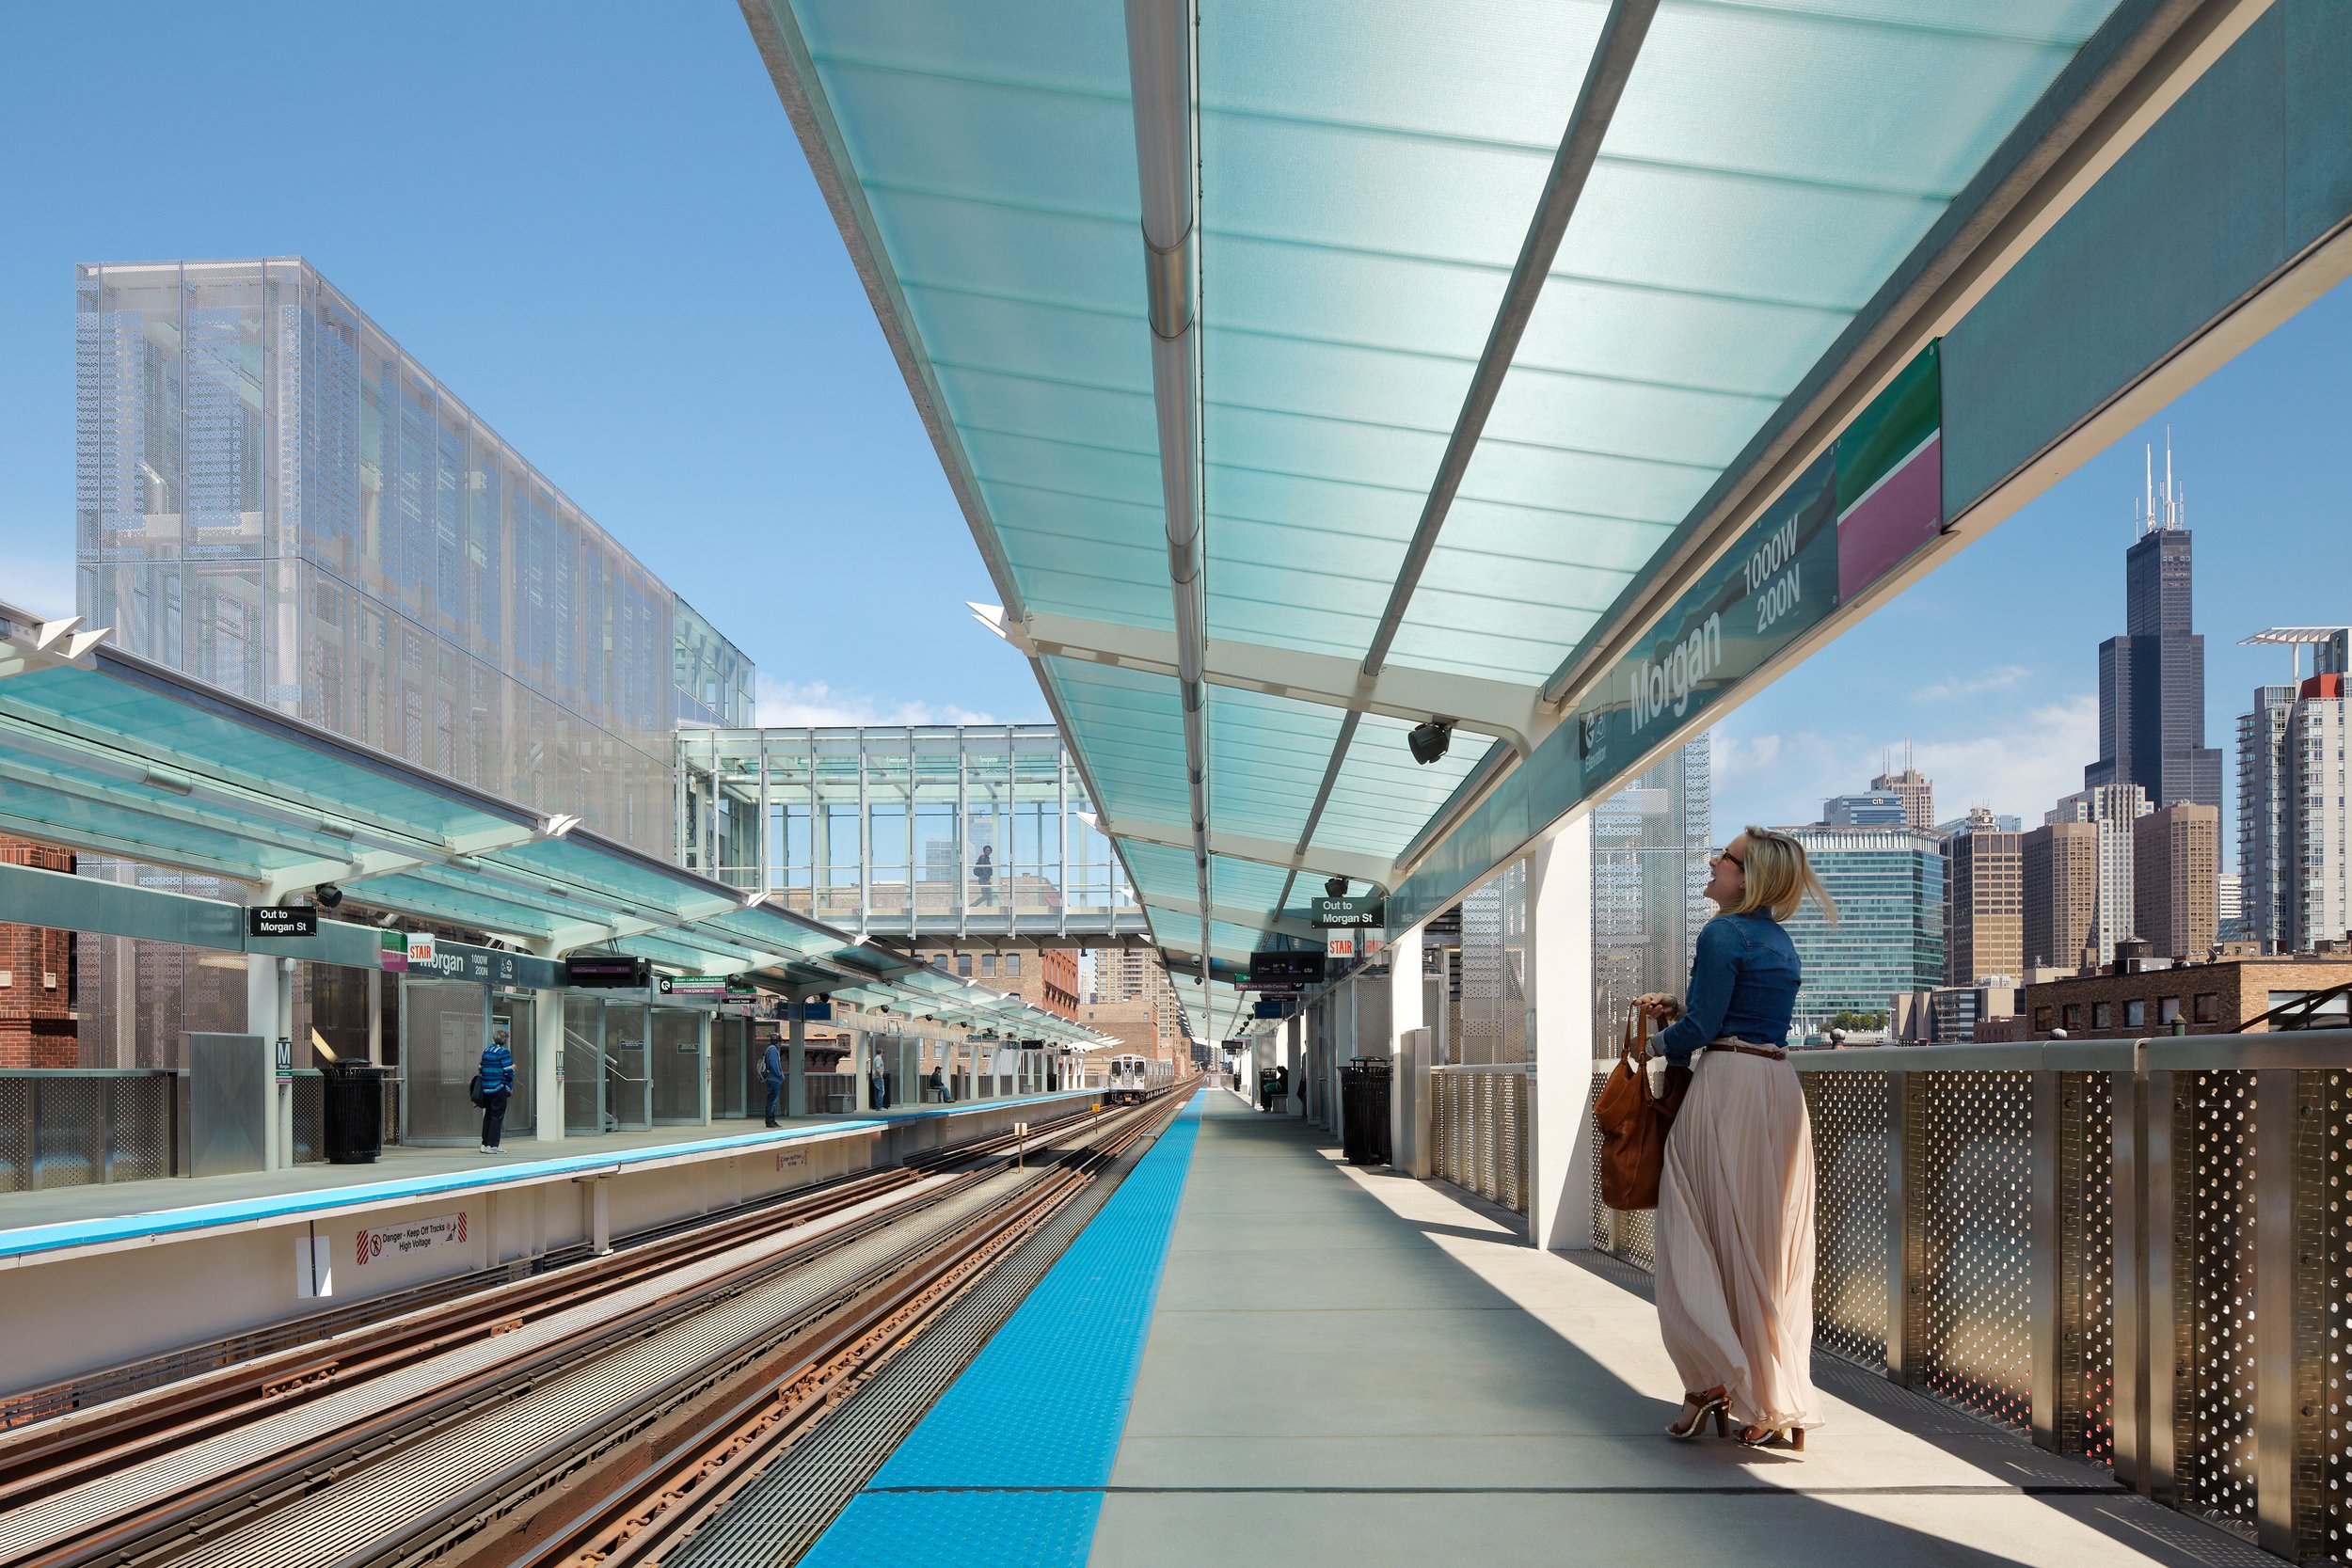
{"type": "Point", "coordinates": [497, 1075]}
{"type": "Point", "coordinates": [984, 876]}
{"type": "Point", "coordinates": [1735, 1202]}
{"type": "Point", "coordinates": [771, 1068]}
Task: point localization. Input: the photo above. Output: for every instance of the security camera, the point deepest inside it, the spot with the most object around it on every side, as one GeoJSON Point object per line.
{"type": "Point", "coordinates": [1336, 887]}
{"type": "Point", "coordinates": [326, 895]}
{"type": "Point", "coordinates": [1429, 741]}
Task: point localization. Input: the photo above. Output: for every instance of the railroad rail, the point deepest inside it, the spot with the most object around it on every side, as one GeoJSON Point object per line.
{"type": "Point", "coordinates": [655, 1381]}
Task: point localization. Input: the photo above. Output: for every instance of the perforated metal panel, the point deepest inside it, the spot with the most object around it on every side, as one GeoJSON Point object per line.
{"type": "Point", "coordinates": [2324, 1310]}
{"type": "Point", "coordinates": [1852, 1142]}
{"type": "Point", "coordinates": [16, 1135]}
{"type": "Point", "coordinates": [1478, 1124]}
{"type": "Point", "coordinates": [2086, 1327]}
{"type": "Point", "coordinates": [70, 1131]}
{"type": "Point", "coordinates": [141, 1126]}
{"type": "Point", "coordinates": [1973, 1225]}
{"type": "Point", "coordinates": [2214, 1423]}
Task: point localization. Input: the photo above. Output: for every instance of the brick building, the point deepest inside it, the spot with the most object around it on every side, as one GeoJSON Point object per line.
{"type": "Point", "coordinates": [2176, 878]}
{"type": "Point", "coordinates": [2058, 869]}
{"type": "Point", "coordinates": [2217, 998]}
{"type": "Point", "coordinates": [38, 1021]}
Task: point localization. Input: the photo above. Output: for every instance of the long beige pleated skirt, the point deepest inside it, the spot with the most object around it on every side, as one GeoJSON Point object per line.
{"type": "Point", "coordinates": [1735, 1240]}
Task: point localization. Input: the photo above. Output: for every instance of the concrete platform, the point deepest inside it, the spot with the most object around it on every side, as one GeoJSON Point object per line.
{"type": "Point", "coordinates": [1350, 1367]}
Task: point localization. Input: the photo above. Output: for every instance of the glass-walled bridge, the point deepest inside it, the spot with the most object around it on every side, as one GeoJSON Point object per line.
{"type": "Point", "coordinates": [924, 830]}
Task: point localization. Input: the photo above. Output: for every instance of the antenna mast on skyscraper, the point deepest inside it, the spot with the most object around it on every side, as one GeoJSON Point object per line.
{"type": "Point", "coordinates": [2159, 509]}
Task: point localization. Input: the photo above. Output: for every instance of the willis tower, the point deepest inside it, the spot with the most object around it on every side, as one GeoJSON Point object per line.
{"type": "Point", "coordinates": [2152, 679]}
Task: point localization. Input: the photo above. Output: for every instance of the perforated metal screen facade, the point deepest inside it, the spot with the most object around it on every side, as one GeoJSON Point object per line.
{"type": "Point", "coordinates": [2214, 1220]}
{"type": "Point", "coordinates": [1975, 1229]}
{"type": "Point", "coordinates": [1478, 1126]}
{"type": "Point", "coordinates": [1850, 1149]}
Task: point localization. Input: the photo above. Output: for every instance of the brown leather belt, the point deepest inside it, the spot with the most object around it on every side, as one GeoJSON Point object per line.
{"type": "Point", "coordinates": [1770, 1052]}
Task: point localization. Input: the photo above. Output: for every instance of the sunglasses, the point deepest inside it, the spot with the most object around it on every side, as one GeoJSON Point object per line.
{"type": "Point", "coordinates": [1714, 855]}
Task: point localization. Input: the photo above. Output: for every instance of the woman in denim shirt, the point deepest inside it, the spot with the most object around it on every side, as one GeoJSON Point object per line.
{"type": "Point", "coordinates": [1735, 1205]}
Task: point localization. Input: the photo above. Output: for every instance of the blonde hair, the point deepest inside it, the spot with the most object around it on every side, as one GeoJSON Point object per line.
{"type": "Point", "coordinates": [1778, 878]}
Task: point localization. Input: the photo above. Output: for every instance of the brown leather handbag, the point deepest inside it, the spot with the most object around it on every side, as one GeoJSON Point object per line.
{"type": "Point", "coordinates": [1634, 1122]}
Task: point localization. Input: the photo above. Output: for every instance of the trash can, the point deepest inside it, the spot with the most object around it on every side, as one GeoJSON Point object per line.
{"type": "Point", "coordinates": [355, 1112]}
{"type": "Point", "coordinates": [1364, 1110]}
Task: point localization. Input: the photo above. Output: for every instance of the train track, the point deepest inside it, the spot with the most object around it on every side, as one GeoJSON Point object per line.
{"type": "Point", "coordinates": [654, 1383]}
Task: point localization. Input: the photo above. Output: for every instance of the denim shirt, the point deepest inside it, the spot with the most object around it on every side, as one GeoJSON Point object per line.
{"type": "Point", "coordinates": [1743, 983]}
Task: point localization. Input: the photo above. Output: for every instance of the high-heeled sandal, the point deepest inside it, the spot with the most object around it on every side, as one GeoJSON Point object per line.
{"type": "Point", "coordinates": [1715, 1402]}
{"type": "Point", "coordinates": [1761, 1437]}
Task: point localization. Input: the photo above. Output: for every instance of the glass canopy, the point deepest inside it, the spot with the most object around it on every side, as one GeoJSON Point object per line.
{"type": "Point", "coordinates": [106, 753]}
{"type": "Point", "coordinates": [1365, 181]}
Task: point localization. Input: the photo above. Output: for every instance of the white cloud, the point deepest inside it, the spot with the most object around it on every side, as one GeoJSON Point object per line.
{"type": "Point", "coordinates": [40, 582]}
{"type": "Point", "coordinates": [783, 702]}
{"type": "Point", "coordinates": [2019, 770]}
{"type": "Point", "coordinates": [2018, 765]}
{"type": "Point", "coordinates": [2001, 677]}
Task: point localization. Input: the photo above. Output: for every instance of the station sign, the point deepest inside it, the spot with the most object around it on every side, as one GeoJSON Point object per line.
{"type": "Point", "coordinates": [282, 920]}
{"type": "Point", "coordinates": [807, 1012]}
{"type": "Point", "coordinates": [1274, 1007]}
{"type": "Point", "coordinates": [1864, 507]}
{"type": "Point", "coordinates": [705, 990]}
{"type": "Point", "coordinates": [1349, 913]}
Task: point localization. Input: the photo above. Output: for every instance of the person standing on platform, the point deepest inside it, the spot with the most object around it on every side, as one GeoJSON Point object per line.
{"type": "Point", "coordinates": [496, 1071]}
{"type": "Point", "coordinates": [1735, 1202]}
{"type": "Point", "coordinates": [771, 1068]}
{"type": "Point", "coordinates": [984, 876]}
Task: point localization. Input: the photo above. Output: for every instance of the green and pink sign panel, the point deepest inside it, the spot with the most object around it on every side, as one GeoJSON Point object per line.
{"type": "Point", "coordinates": [1864, 507]}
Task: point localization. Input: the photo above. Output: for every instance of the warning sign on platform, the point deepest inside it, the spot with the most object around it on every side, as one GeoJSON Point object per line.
{"type": "Point", "coordinates": [415, 1236]}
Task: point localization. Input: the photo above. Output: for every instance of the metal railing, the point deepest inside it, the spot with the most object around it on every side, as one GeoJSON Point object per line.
{"type": "Point", "coordinates": [74, 1126]}
{"type": "Point", "coordinates": [2138, 1252]}
{"type": "Point", "coordinates": [1478, 1131]}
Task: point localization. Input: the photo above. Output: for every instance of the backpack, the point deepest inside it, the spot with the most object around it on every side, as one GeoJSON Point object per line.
{"type": "Point", "coordinates": [473, 1092]}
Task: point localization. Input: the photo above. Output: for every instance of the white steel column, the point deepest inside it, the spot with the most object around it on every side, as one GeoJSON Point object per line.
{"type": "Point", "coordinates": [1294, 1060]}
{"type": "Point", "coordinates": [1409, 1059]}
{"type": "Point", "coordinates": [1558, 986]}
{"type": "Point", "coordinates": [547, 1068]}
{"type": "Point", "coordinates": [269, 1013]}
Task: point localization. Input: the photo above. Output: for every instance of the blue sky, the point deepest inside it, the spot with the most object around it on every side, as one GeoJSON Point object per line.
{"type": "Point", "coordinates": [594, 223]}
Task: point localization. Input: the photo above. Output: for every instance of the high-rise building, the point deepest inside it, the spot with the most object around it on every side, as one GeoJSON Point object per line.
{"type": "Point", "coordinates": [2262, 785]}
{"type": "Point", "coordinates": [2113, 809]}
{"type": "Point", "coordinates": [2058, 866]}
{"type": "Point", "coordinates": [2295, 834]}
{"type": "Point", "coordinates": [1984, 927]}
{"type": "Point", "coordinates": [1915, 789]}
{"type": "Point", "coordinates": [1649, 869]}
{"type": "Point", "coordinates": [1888, 883]}
{"type": "Point", "coordinates": [2228, 907]}
{"type": "Point", "coordinates": [1126, 976]}
{"type": "Point", "coordinates": [1883, 808]}
{"type": "Point", "coordinates": [2152, 679]}
{"type": "Point", "coordinates": [2176, 859]}
{"type": "Point", "coordinates": [273, 498]}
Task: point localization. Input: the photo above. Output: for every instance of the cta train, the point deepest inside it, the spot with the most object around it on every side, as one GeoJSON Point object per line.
{"type": "Point", "coordinates": [1131, 1077]}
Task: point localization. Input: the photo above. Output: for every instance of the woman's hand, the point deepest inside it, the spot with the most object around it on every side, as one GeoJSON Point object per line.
{"type": "Point", "coordinates": [1657, 1006]}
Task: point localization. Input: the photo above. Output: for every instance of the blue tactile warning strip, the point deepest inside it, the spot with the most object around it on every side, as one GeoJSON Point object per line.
{"type": "Point", "coordinates": [31, 1240]}
{"type": "Point", "coordinates": [1007, 1469]}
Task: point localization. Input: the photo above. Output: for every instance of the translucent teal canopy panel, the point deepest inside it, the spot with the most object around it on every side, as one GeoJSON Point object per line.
{"type": "Point", "coordinates": [106, 753]}
{"type": "Point", "coordinates": [1282, 427]}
